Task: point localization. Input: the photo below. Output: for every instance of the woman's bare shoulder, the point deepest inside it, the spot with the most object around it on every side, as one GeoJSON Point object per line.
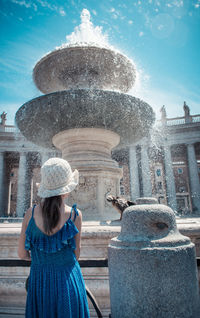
{"type": "Point", "coordinates": [79, 213]}
{"type": "Point", "coordinates": [29, 212]}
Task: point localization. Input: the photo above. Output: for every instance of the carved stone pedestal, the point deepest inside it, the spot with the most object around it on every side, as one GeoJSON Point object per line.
{"type": "Point", "coordinates": [89, 151]}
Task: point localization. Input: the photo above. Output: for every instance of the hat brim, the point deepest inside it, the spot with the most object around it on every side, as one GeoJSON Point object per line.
{"type": "Point", "coordinates": [69, 187]}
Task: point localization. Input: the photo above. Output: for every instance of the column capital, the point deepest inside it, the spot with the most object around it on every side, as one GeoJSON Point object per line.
{"type": "Point", "coordinates": [22, 153]}
{"type": "Point", "coordinates": [189, 143]}
{"type": "Point", "coordinates": [145, 142]}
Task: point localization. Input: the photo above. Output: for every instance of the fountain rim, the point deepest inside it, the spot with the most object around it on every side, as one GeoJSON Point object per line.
{"type": "Point", "coordinates": [26, 108]}
{"type": "Point", "coordinates": [85, 47]}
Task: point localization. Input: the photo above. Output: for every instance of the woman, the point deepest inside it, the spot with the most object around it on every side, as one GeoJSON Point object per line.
{"type": "Point", "coordinates": [51, 238]}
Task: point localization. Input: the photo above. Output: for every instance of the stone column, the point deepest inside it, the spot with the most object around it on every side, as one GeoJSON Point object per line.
{"type": "Point", "coordinates": [5, 189]}
{"type": "Point", "coordinates": [1, 181]}
{"type": "Point", "coordinates": [44, 157]}
{"type": "Point", "coordinates": [28, 185]}
{"type": "Point", "coordinates": [133, 170]}
{"type": "Point", "coordinates": [169, 178]}
{"type": "Point", "coordinates": [21, 186]}
{"type": "Point", "coordinates": [9, 196]}
{"type": "Point", "coordinates": [194, 178]}
{"type": "Point", "coordinates": [146, 174]}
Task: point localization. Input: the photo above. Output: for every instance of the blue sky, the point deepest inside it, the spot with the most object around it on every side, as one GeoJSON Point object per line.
{"type": "Point", "coordinates": [161, 37]}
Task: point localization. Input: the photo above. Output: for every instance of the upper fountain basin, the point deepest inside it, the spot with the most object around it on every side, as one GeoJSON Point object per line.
{"type": "Point", "coordinates": [42, 118]}
{"type": "Point", "coordinates": [84, 67]}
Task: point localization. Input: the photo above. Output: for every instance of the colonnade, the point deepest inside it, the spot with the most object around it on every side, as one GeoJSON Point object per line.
{"type": "Point", "coordinates": [140, 177]}
{"type": "Point", "coordinates": [135, 187]}
{"type": "Point", "coordinates": [24, 181]}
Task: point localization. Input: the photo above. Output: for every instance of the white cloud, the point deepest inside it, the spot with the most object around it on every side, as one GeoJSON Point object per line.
{"type": "Point", "coordinates": [130, 22]}
{"type": "Point", "coordinates": [22, 3]}
{"type": "Point", "coordinates": [34, 6]}
{"type": "Point", "coordinates": [62, 12]}
{"type": "Point", "coordinates": [45, 4]}
{"type": "Point", "coordinates": [141, 33]}
{"type": "Point", "coordinates": [114, 16]}
{"type": "Point", "coordinates": [178, 3]}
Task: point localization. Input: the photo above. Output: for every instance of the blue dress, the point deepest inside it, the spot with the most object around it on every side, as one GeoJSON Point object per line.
{"type": "Point", "coordinates": [56, 287]}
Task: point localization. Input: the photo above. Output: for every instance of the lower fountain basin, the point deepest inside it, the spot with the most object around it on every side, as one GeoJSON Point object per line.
{"type": "Point", "coordinates": [42, 118]}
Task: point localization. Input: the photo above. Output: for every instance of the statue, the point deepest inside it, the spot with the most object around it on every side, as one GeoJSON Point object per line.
{"type": "Point", "coordinates": [163, 113]}
{"type": "Point", "coordinates": [186, 109]}
{"type": "Point", "coordinates": [120, 204]}
{"type": "Point", "coordinates": [3, 118]}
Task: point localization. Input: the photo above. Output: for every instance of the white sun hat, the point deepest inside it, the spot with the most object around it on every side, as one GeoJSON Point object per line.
{"type": "Point", "coordinates": [57, 178]}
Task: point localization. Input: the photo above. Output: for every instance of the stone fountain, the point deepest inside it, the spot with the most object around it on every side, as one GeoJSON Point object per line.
{"type": "Point", "coordinates": [86, 113]}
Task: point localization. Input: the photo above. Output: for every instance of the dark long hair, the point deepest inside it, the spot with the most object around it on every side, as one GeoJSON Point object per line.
{"type": "Point", "coordinates": [51, 213]}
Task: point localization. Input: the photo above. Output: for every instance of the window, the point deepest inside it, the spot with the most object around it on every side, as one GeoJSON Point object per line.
{"type": "Point", "coordinates": [158, 172]}
{"type": "Point", "coordinates": [159, 187]}
{"type": "Point", "coordinates": [122, 190]}
{"type": "Point", "coordinates": [180, 170]}
{"type": "Point", "coordinates": [181, 189]}
{"type": "Point", "coordinates": [181, 203]}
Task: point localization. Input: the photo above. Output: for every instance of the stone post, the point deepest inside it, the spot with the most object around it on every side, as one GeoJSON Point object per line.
{"type": "Point", "coordinates": [146, 174]}
{"type": "Point", "coordinates": [169, 177]}
{"type": "Point", "coordinates": [152, 267]}
{"type": "Point", "coordinates": [194, 178]}
{"type": "Point", "coordinates": [134, 176]}
{"type": "Point", "coordinates": [21, 186]}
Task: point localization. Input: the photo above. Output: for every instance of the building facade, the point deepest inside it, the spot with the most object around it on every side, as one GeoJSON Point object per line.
{"type": "Point", "coordinates": [165, 165]}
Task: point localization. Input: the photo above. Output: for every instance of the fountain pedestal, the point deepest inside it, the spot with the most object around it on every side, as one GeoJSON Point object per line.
{"type": "Point", "coordinates": [89, 151]}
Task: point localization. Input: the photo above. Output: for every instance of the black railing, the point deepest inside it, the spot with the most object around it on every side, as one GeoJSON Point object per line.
{"type": "Point", "coordinates": [14, 262]}
{"type": "Point", "coordinates": [103, 262]}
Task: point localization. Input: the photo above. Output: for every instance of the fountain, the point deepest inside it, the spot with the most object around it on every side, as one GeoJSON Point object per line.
{"type": "Point", "coordinates": [86, 113]}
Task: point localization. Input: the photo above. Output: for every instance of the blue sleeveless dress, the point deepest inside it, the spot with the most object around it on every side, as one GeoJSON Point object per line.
{"type": "Point", "coordinates": [56, 287]}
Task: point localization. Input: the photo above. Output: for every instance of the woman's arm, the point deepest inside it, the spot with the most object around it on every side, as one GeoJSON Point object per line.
{"type": "Point", "coordinates": [22, 253]}
{"type": "Point", "coordinates": [78, 223]}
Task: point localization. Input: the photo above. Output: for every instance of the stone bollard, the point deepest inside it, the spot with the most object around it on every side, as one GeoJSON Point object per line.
{"type": "Point", "coordinates": [152, 267]}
